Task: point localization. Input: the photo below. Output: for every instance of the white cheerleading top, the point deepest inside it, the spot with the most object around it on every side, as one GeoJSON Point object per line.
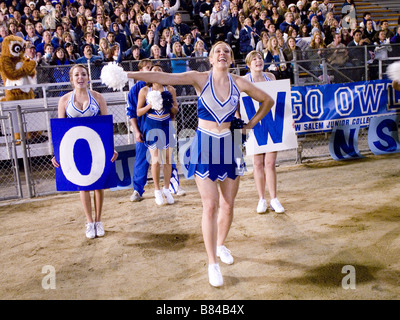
{"type": "Point", "coordinates": [93, 108]}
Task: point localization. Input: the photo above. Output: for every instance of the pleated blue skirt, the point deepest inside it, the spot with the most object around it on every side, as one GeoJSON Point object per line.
{"type": "Point", "coordinates": [159, 134]}
{"type": "Point", "coordinates": [215, 156]}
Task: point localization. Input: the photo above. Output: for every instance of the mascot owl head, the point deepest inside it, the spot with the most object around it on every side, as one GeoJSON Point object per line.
{"type": "Point", "coordinates": [13, 47]}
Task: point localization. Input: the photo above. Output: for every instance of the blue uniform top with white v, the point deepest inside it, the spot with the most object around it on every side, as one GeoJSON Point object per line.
{"type": "Point", "coordinates": [164, 113]}
{"type": "Point", "coordinates": [216, 155]}
{"type": "Point", "coordinates": [250, 78]}
{"type": "Point", "coordinates": [93, 108]}
{"type": "Point", "coordinates": [212, 109]}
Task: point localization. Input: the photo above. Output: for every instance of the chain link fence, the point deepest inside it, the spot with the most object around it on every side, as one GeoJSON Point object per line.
{"type": "Point", "coordinates": [25, 135]}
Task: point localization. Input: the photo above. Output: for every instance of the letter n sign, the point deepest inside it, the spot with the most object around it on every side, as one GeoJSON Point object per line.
{"type": "Point", "coordinates": [84, 147]}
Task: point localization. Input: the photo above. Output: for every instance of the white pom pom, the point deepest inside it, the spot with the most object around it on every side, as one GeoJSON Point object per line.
{"type": "Point", "coordinates": [154, 98]}
{"type": "Point", "coordinates": [393, 71]}
{"type": "Point", "coordinates": [113, 76]}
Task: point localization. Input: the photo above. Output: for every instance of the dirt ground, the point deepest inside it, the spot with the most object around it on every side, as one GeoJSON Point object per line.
{"type": "Point", "coordinates": [337, 214]}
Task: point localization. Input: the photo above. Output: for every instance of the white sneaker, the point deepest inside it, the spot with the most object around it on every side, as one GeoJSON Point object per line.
{"type": "Point", "coordinates": [276, 206]}
{"type": "Point", "coordinates": [159, 198]}
{"type": "Point", "coordinates": [180, 192]}
{"type": "Point", "coordinates": [90, 230]}
{"type": "Point", "coordinates": [135, 196]}
{"type": "Point", "coordinates": [99, 229]}
{"type": "Point", "coordinates": [262, 206]}
{"type": "Point", "coordinates": [224, 254]}
{"type": "Point", "coordinates": [214, 275]}
{"type": "Point", "coordinates": [168, 196]}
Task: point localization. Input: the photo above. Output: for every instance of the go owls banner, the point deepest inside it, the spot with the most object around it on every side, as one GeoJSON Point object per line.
{"type": "Point", "coordinates": [84, 147]}
{"type": "Point", "coordinates": [322, 108]}
{"type": "Point", "coordinates": [275, 131]}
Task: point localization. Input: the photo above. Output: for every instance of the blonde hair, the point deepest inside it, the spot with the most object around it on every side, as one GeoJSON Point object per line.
{"type": "Point", "coordinates": [250, 56]}
{"type": "Point", "coordinates": [181, 54]}
{"type": "Point", "coordinates": [218, 43]}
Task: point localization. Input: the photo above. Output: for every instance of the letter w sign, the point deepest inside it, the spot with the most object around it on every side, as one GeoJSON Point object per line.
{"type": "Point", "coordinates": [275, 131]}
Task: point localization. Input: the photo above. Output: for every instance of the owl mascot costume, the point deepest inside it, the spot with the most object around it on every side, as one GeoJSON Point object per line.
{"type": "Point", "coordinates": [17, 70]}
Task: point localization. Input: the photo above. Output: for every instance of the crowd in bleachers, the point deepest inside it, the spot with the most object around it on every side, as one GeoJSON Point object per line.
{"type": "Point", "coordinates": [62, 32]}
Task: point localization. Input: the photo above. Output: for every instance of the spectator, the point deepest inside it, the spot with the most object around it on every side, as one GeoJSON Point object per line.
{"type": "Point", "coordinates": [90, 28]}
{"type": "Point", "coordinates": [346, 36]}
{"type": "Point", "coordinates": [263, 42]}
{"type": "Point", "coordinates": [276, 18]}
{"type": "Point", "coordinates": [134, 32]}
{"type": "Point", "coordinates": [199, 52]}
{"type": "Point", "coordinates": [31, 35]}
{"type": "Point", "coordinates": [302, 11]}
{"type": "Point", "coordinates": [260, 23]}
{"type": "Point", "coordinates": [232, 24]}
{"type": "Point", "coordinates": [396, 37]}
{"type": "Point", "coordinates": [56, 39]}
{"type": "Point", "coordinates": [382, 47]}
{"type": "Point", "coordinates": [326, 7]}
{"type": "Point", "coordinates": [66, 22]}
{"type": "Point", "coordinates": [148, 42]}
{"type": "Point", "coordinates": [369, 31]}
{"type": "Point", "coordinates": [196, 35]}
{"type": "Point", "coordinates": [73, 55]}
{"type": "Point", "coordinates": [88, 55]}
{"type": "Point", "coordinates": [72, 14]}
{"type": "Point", "coordinates": [163, 46]}
{"type": "Point", "coordinates": [89, 39]}
{"type": "Point", "coordinates": [356, 53]}
{"type": "Point", "coordinates": [155, 54]}
{"type": "Point", "coordinates": [39, 29]}
{"type": "Point", "coordinates": [205, 12]}
{"type": "Point", "coordinates": [187, 45]}
{"type": "Point", "coordinates": [180, 28]}
{"type": "Point", "coordinates": [30, 52]}
{"type": "Point", "coordinates": [247, 37]}
{"type": "Point", "coordinates": [119, 37]}
{"type": "Point", "coordinates": [338, 57]}
{"type": "Point", "coordinates": [46, 40]}
{"type": "Point", "coordinates": [314, 53]}
{"type": "Point", "coordinates": [218, 20]}
{"type": "Point", "coordinates": [48, 53]}
{"type": "Point", "coordinates": [367, 16]}
{"type": "Point", "coordinates": [171, 10]}
{"type": "Point", "coordinates": [140, 23]}
{"type": "Point", "coordinates": [179, 66]}
{"type": "Point", "coordinates": [27, 16]}
{"type": "Point", "coordinates": [61, 73]}
{"type": "Point", "coordinates": [12, 30]}
{"type": "Point", "coordinates": [385, 27]}
{"type": "Point", "coordinates": [282, 8]}
{"type": "Point", "coordinates": [80, 29]}
{"type": "Point", "coordinates": [275, 60]}
{"type": "Point", "coordinates": [67, 38]}
{"type": "Point", "coordinates": [104, 48]}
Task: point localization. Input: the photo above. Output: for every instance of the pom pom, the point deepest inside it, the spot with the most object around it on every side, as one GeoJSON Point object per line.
{"type": "Point", "coordinates": [237, 123]}
{"type": "Point", "coordinates": [154, 98]}
{"type": "Point", "coordinates": [113, 76]}
{"type": "Point", "coordinates": [167, 100]}
{"type": "Point", "coordinates": [393, 71]}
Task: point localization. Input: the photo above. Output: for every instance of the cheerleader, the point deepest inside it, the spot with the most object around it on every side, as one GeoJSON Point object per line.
{"type": "Point", "coordinates": [159, 102]}
{"type": "Point", "coordinates": [214, 158]}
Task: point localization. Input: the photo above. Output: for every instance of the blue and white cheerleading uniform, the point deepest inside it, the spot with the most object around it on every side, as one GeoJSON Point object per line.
{"type": "Point", "coordinates": [216, 155]}
{"type": "Point", "coordinates": [93, 108]}
{"type": "Point", "coordinates": [250, 78]}
{"type": "Point", "coordinates": [158, 129]}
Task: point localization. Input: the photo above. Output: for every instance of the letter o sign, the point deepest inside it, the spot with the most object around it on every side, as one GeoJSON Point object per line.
{"type": "Point", "coordinates": [67, 160]}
